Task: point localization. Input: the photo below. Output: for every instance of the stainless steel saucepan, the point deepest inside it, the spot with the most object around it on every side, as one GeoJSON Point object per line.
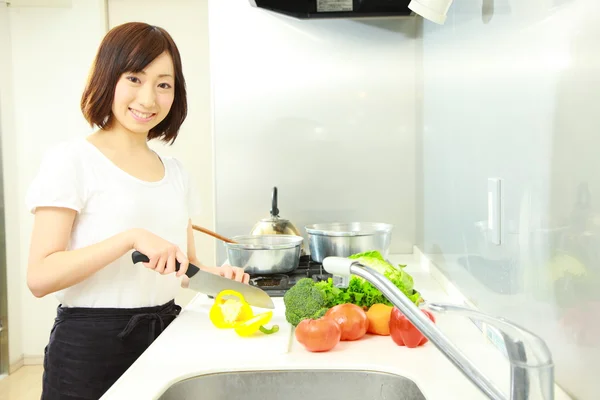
{"type": "Point", "coordinates": [261, 254]}
{"type": "Point", "coordinates": [265, 254]}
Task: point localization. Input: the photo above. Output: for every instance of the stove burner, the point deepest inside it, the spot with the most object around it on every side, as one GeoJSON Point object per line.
{"type": "Point", "coordinates": [265, 281]}
{"type": "Point", "coordinates": [276, 285]}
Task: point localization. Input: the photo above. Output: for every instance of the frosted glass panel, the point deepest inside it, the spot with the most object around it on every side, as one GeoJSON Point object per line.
{"type": "Point", "coordinates": [512, 92]}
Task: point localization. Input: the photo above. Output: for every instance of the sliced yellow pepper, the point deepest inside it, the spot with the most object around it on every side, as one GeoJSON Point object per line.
{"type": "Point", "coordinates": [254, 324]}
{"type": "Point", "coordinates": [225, 313]}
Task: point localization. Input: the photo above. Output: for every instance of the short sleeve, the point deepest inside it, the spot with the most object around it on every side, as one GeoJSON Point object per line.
{"type": "Point", "coordinates": [57, 183]}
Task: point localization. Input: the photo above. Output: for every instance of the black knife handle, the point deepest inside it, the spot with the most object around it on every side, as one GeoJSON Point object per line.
{"type": "Point", "coordinates": [140, 257]}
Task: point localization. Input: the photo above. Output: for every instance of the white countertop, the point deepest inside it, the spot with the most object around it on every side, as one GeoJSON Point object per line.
{"type": "Point", "coordinates": [192, 346]}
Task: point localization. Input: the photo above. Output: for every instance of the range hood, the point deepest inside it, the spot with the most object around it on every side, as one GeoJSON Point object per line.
{"type": "Point", "coordinates": [309, 9]}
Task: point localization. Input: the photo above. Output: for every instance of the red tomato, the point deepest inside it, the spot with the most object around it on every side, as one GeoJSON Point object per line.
{"type": "Point", "coordinates": [351, 318]}
{"type": "Point", "coordinates": [317, 335]}
{"type": "Point", "coordinates": [403, 332]}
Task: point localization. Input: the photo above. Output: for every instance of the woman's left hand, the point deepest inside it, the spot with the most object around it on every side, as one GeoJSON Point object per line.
{"type": "Point", "coordinates": [229, 272]}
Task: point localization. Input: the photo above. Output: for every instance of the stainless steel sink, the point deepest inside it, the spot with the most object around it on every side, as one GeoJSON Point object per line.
{"type": "Point", "coordinates": [295, 385]}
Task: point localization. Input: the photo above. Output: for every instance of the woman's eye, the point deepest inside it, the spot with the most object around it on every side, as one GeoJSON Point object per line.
{"type": "Point", "coordinates": [164, 86]}
{"type": "Point", "coordinates": [133, 79]}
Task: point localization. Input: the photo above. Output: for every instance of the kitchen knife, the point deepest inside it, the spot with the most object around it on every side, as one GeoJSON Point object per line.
{"type": "Point", "coordinates": [212, 285]}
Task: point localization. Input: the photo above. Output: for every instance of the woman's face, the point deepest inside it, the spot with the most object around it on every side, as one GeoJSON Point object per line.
{"type": "Point", "coordinates": [142, 100]}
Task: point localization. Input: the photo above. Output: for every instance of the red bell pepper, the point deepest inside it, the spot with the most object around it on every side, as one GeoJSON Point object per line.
{"type": "Point", "coordinates": [403, 332]}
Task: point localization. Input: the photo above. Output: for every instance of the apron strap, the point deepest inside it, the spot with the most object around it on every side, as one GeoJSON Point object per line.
{"type": "Point", "coordinates": [153, 318]}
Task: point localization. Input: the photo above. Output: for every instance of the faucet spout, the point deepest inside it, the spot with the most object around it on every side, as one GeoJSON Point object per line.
{"type": "Point", "coordinates": [532, 369]}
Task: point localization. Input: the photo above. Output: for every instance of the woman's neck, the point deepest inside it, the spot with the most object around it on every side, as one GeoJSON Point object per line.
{"type": "Point", "coordinates": [118, 137]}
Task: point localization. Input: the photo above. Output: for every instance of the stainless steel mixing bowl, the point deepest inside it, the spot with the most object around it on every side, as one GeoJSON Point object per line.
{"type": "Point", "coordinates": [345, 239]}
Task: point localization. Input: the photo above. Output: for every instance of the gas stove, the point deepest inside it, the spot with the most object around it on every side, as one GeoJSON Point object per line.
{"type": "Point", "coordinates": [277, 284]}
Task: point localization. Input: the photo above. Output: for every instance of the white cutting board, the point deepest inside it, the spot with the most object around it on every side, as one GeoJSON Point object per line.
{"type": "Point", "coordinates": [197, 325]}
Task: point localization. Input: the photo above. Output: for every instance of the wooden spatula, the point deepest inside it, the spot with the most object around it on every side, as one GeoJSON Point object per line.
{"type": "Point", "coordinates": [211, 233]}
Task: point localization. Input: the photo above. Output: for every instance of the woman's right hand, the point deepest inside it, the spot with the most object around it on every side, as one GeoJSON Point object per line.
{"type": "Point", "coordinates": [162, 254]}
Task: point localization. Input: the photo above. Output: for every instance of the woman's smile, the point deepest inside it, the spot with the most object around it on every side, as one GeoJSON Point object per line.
{"type": "Point", "coordinates": [141, 116]}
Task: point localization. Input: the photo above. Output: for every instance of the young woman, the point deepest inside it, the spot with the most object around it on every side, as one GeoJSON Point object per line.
{"type": "Point", "coordinates": [97, 199]}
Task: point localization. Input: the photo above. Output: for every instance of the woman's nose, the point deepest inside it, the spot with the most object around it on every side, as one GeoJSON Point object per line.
{"type": "Point", "coordinates": [146, 96]}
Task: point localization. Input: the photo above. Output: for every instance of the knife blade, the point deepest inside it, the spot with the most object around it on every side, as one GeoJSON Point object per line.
{"type": "Point", "coordinates": [212, 285]}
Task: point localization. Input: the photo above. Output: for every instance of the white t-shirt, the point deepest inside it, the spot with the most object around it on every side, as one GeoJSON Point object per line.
{"type": "Point", "coordinates": [77, 175]}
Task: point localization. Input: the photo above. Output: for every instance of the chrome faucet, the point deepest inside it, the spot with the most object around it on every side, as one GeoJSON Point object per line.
{"type": "Point", "coordinates": [532, 369]}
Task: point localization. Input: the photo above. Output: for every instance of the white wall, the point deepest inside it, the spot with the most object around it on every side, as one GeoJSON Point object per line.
{"type": "Point", "coordinates": [46, 83]}
{"type": "Point", "coordinates": [324, 110]}
{"type": "Point", "coordinates": [11, 202]}
{"type": "Point", "coordinates": [40, 107]}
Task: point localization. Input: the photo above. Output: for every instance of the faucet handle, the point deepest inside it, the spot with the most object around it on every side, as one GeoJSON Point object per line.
{"type": "Point", "coordinates": [339, 266]}
{"type": "Point", "coordinates": [534, 351]}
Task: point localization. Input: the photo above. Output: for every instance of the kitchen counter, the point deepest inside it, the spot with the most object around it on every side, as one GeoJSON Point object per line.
{"type": "Point", "coordinates": [191, 346]}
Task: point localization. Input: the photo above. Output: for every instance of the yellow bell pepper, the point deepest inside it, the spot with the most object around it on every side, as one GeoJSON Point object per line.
{"type": "Point", "coordinates": [254, 324]}
{"type": "Point", "coordinates": [225, 313]}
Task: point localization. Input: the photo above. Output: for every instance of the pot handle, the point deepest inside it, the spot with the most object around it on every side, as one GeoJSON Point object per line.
{"type": "Point", "coordinates": [274, 209]}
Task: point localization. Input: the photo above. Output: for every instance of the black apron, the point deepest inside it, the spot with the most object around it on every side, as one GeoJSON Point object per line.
{"type": "Point", "coordinates": [90, 348]}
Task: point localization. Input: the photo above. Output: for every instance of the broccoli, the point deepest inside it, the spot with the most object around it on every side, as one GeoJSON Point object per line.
{"type": "Point", "coordinates": [304, 300]}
